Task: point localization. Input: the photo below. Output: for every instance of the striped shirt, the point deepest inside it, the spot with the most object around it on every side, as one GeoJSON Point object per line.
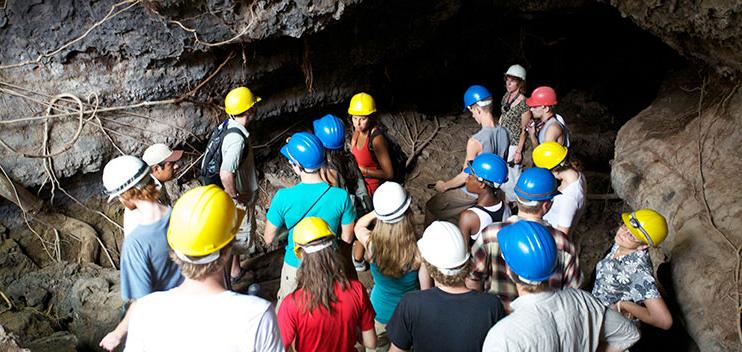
{"type": "Point", "coordinates": [490, 268]}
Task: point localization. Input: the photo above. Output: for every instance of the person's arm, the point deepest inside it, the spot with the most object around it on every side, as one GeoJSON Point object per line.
{"type": "Point", "coordinates": [468, 224]}
{"type": "Point", "coordinates": [231, 150]}
{"type": "Point", "coordinates": [553, 133]}
{"type": "Point", "coordinates": [228, 181]}
{"type": "Point", "coordinates": [270, 233]}
{"type": "Point", "coordinates": [473, 148]}
{"type": "Point", "coordinates": [563, 229]}
{"type": "Point", "coordinates": [525, 119]}
{"type": "Point", "coordinates": [618, 333]}
{"type": "Point", "coordinates": [654, 312]}
{"type": "Point", "coordinates": [369, 338]}
{"type": "Point", "coordinates": [381, 150]}
{"type": "Point", "coordinates": [346, 232]}
{"type": "Point", "coordinates": [361, 228]}
{"type": "Point", "coordinates": [113, 338]}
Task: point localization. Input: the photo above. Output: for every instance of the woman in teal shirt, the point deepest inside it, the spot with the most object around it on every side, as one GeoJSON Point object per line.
{"type": "Point", "coordinates": [391, 248]}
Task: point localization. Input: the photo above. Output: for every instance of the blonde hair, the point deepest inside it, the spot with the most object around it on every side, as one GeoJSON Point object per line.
{"type": "Point", "coordinates": [394, 246]}
{"type": "Point", "coordinates": [199, 271]}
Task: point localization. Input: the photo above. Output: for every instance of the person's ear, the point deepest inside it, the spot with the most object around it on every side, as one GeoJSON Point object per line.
{"type": "Point", "coordinates": [643, 247]}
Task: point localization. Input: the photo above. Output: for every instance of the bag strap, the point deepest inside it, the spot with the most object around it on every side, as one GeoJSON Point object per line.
{"type": "Point", "coordinates": [310, 208]}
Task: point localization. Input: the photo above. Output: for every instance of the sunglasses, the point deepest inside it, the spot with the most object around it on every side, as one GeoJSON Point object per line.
{"type": "Point", "coordinates": [635, 224]}
{"type": "Point", "coordinates": [469, 164]}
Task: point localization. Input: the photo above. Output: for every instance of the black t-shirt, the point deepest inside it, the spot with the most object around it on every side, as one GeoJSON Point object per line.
{"type": "Point", "coordinates": [433, 320]}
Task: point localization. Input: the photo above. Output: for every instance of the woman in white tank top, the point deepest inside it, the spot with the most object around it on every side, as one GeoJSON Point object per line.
{"type": "Point", "coordinates": [566, 207]}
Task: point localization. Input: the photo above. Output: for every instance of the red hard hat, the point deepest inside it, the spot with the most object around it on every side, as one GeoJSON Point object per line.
{"type": "Point", "coordinates": [542, 96]}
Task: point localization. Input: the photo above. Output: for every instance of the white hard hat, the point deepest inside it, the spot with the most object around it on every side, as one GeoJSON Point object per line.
{"type": "Point", "coordinates": [160, 153]}
{"type": "Point", "coordinates": [390, 202]}
{"type": "Point", "coordinates": [516, 71]}
{"type": "Point", "coordinates": [123, 173]}
{"type": "Point", "coordinates": [443, 246]}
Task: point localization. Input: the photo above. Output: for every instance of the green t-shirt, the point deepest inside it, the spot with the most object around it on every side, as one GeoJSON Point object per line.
{"type": "Point", "coordinates": [289, 204]}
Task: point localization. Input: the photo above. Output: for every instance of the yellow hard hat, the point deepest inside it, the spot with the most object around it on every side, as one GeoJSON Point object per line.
{"type": "Point", "coordinates": [203, 221]}
{"type": "Point", "coordinates": [362, 104]}
{"type": "Point", "coordinates": [647, 226]}
{"type": "Point", "coordinates": [239, 100]}
{"type": "Point", "coordinates": [310, 230]}
{"type": "Point", "coordinates": [549, 155]}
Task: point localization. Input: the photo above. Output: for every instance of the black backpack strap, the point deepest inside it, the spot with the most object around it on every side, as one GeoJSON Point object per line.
{"type": "Point", "coordinates": [492, 214]}
{"type": "Point", "coordinates": [310, 208]}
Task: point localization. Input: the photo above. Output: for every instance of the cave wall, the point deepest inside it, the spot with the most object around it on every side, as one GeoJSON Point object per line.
{"type": "Point", "coordinates": [680, 156]}
{"type": "Point", "coordinates": [706, 30]}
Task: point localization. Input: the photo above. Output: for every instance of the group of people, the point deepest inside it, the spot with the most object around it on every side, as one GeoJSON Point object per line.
{"type": "Point", "coordinates": [495, 269]}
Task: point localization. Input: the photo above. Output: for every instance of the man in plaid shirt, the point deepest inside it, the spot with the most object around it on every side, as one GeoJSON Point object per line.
{"type": "Point", "coordinates": [534, 191]}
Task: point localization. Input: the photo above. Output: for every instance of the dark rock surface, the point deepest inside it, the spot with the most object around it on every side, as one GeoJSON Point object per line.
{"type": "Point", "coordinates": [707, 30]}
{"type": "Point", "coordinates": [658, 161]}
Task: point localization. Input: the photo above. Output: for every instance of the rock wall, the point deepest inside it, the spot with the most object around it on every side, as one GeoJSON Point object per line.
{"type": "Point", "coordinates": [707, 30]}
{"type": "Point", "coordinates": [681, 156]}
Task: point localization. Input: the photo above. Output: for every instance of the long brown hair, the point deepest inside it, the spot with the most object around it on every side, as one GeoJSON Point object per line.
{"type": "Point", "coordinates": [317, 276]}
{"type": "Point", "coordinates": [394, 246]}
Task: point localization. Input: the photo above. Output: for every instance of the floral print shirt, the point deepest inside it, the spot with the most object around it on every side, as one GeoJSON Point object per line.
{"type": "Point", "coordinates": [627, 278]}
{"type": "Point", "coordinates": [510, 118]}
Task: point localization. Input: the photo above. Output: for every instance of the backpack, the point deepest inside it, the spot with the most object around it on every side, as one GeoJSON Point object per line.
{"type": "Point", "coordinates": [213, 156]}
{"type": "Point", "coordinates": [396, 154]}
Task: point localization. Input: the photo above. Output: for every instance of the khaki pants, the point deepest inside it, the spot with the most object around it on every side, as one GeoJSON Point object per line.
{"type": "Point", "coordinates": [447, 206]}
{"type": "Point", "coordinates": [288, 283]}
{"type": "Point", "coordinates": [245, 241]}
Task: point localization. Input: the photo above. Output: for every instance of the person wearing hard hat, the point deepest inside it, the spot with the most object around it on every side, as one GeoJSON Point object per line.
{"type": "Point", "coordinates": [545, 319]}
{"type": "Point", "coordinates": [389, 237]}
{"type": "Point", "coordinates": [340, 170]}
{"type": "Point", "coordinates": [567, 206]}
{"type": "Point", "coordinates": [546, 125]}
{"type": "Point", "coordinates": [162, 163]}
{"type": "Point", "coordinates": [201, 314]}
{"type": "Point", "coordinates": [452, 198]}
{"type": "Point", "coordinates": [534, 191]}
{"type": "Point", "coordinates": [144, 264]}
{"type": "Point", "coordinates": [624, 277]}
{"type": "Point", "coordinates": [449, 316]}
{"type": "Point", "coordinates": [487, 172]}
{"type": "Point", "coordinates": [368, 144]}
{"type": "Point", "coordinates": [229, 163]}
{"type": "Point", "coordinates": [310, 197]}
{"type": "Point", "coordinates": [515, 117]}
{"type": "Point", "coordinates": [327, 308]}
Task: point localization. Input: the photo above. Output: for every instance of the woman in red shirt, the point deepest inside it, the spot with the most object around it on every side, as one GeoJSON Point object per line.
{"type": "Point", "coordinates": [327, 308]}
{"type": "Point", "coordinates": [373, 160]}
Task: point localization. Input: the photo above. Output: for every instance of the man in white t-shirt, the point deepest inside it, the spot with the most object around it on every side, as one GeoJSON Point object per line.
{"type": "Point", "coordinates": [200, 314]}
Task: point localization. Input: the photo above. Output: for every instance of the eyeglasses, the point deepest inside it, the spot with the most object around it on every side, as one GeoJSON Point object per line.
{"type": "Point", "coordinates": [635, 224]}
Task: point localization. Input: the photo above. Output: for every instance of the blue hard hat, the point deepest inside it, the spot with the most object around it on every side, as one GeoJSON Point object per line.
{"type": "Point", "coordinates": [488, 167]}
{"type": "Point", "coordinates": [474, 94]}
{"type": "Point", "coordinates": [305, 150]}
{"type": "Point", "coordinates": [331, 131]}
{"type": "Point", "coordinates": [536, 183]}
{"type": "Point", "coordinates": [529, 250]}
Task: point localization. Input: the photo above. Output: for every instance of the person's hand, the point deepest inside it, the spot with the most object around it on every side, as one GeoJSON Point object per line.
{"type": "Point", "coordinates": [110, 341]}
{"type": "Point", "coordinates": [440, 186]}
{"type": "Point", "coordinates": [617, 307]}
{"type": "Point", "coordinates": [518, 157]}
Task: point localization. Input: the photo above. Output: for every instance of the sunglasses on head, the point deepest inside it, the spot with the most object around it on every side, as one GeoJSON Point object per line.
{"type": "Point", "coordinates": [635, 224]}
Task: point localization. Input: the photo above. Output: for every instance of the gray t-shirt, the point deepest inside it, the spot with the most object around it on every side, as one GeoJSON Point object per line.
{"type": "Point", "coordinates": [145, 262]}
{"type": "Point", "coordinates": [494, 140]}
{"type": "Point", "coordinates": [564, 320]}
{"type": "Point", "coordinates": [235, 160]}
{"type": "Point", "coordinates": [558, 120]}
